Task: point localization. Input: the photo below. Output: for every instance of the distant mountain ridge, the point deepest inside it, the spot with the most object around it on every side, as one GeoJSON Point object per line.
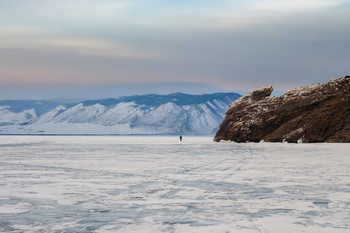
{"type": "Point", "coordinates": [80, 93]}
{"type": "Point", "coordinates": [175, 113]}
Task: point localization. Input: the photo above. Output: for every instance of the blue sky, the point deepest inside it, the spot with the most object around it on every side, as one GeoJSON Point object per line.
{"type": "Point", "coordinates": [237, 45]}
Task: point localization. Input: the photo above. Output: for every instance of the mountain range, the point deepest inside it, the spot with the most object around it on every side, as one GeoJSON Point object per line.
{"type": "Point", "coordinates": [172, 114]}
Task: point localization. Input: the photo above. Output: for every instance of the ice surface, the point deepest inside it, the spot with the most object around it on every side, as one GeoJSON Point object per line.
{"type": "Point", "coordinates": [158, 184]}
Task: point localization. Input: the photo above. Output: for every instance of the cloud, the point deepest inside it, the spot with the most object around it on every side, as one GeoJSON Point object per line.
{"type": "Point", "coordinates": [237, 44]}
{"type": "Point", "coordinates": [294, 5]}
{"type": "Point", "coordinates": [95, 47]}
{"type": "Point", "coordinates": [253, 13]}
{"type": "Point", "coordinates": [58, 12]}
{"type": "Point", "coordinates": [27, 38]}
{"type": "Point", "coordinates": [80, 15]}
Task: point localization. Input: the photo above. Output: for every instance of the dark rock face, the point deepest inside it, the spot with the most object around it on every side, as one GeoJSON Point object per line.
{"type": "Point", "coordinates": [316, 113]}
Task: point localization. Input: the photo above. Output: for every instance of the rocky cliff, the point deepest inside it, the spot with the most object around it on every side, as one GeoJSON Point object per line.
{"type": "Point", "coordinates": [316, 113]}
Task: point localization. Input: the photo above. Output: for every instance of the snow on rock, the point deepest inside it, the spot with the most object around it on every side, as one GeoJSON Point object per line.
{"type": "Point", "coordinates": [300, 91]}
{"type": "Point", "coordinates": [50, 116]}
{"type": "Point", "coordinates": [122, 113]}
{"type": "Point", "coordinates": [9, 117]}
{"type": "Point", "coordinates": [81, 114]}
{"type": "Point", "coordinates": [253, 96]}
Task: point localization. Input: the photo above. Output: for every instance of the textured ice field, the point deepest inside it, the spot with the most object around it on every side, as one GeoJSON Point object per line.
{"type": "Point", "coordinates": [157, 184]}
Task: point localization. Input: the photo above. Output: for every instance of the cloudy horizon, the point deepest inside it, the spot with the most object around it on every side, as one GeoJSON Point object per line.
{"type": "Point", "coordinates": [234, 45]}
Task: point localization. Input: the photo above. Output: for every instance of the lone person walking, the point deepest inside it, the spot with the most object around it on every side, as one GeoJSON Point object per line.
{"type": "Point", "coordinates": [180, 138]}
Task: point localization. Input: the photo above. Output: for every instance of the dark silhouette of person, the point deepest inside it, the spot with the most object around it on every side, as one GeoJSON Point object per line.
{"type": "Point", "coordinates": [180, 138]}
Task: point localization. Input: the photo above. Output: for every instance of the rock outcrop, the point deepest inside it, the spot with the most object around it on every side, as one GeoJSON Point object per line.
{"type": "Point", "coordinates": [316, 113]}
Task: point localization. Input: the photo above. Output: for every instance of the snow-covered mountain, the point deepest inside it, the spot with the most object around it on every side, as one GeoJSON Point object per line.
{"type": "Point", "coordinates": [176, 113]}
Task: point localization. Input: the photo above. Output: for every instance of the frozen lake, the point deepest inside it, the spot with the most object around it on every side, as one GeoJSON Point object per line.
{"type": "Point", "coordinates": [157, 184]}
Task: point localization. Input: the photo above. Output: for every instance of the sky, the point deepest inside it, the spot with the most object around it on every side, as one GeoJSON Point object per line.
{"type": "Point", "coordinates": [233, 45]}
